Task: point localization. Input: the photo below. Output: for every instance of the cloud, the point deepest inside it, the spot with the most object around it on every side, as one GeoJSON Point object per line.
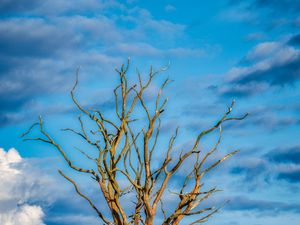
{"type": "Point", "coordinates": [50, 7]}
{"type": "Point", "coordinates": [278, 164]}
{"type": "Point", "coordinates": [288, 163]}
{"type": "Point", "coordinates": [238, 14]}
{"type": "Point", "coordinates": [9, 6]}
{"type": "Point", "coordinates": [271, 62]}
{"type": "Point", "coordinates": [170, 8]}
{"type": "Point", "coordinates": [255, 36]}
{"type": "Point", "coordinates": [63, 36]}
{"type": "Point", "coordinates": [25, 215]}
{"type": "Point", "coordinates": [290, 175]}
{"type": "Point", "coordinates": [267, 65]}
{"type": "Point", "coordinates": [44, 38]}
{"type": "Point", "coordinates": [21, 189]}
{"type": "Point", "coordinates": [266, 14]}
{"type": "Point", "coordinates": [245, 204]}
{"type": "Point", "coordinates": [297, 22]}
{"type": "Point", "coordinates": [249, 167]}
{"type": "Point", "coordinates": [6, 158]}
{"type": "Point", "coordinates": [13, 193]}
{"type": "Point", "coordinates": [285, 155]}
{"type": "Point", "coordinates": [239, 90]}
{"type": "Point", "coordinates": [289, 5]}
{"type": "Point", "coordinates": [159, 25]}
{"type": "Point", "coordinates": [273, 6]}
{"type": "Point", "coordinates": [295, 40]}
{"type": "Point", "coordinates": [262, 118]}
{"type": "Point", "coordinates": [26, 62]}
{"type": "Point", "coordinates": [267, 121]}
{"type": "Point", "coordinates": [74, 219]}
{"type": "Point", "coordinates": [42, 61]}
{"type": "Point", "coordinates": [143, 49]}
{"type": "Point", "coordinates": [29, 195]}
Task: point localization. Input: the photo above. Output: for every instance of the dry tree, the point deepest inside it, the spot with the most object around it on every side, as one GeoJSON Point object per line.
{"type": "Point", "coordinates": [124, 153]}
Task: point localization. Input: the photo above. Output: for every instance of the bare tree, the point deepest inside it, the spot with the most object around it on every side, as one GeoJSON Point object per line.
{"type": "Point", "coordinates": [124, 153]}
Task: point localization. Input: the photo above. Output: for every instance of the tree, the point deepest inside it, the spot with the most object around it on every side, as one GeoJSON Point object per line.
{"type": "Point", "coordinates": [124, 153]}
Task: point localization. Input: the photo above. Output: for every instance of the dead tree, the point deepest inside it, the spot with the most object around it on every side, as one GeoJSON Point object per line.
{"type": "Point", "coordinates": [124, 152]}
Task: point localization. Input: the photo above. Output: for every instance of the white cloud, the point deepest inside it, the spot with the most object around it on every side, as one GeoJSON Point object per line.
{"type": "Point", "coordinates": [21, 183]}
{"type": "Point", "coordinates": [7, 158]}
{"type": "Point", "coordinates": [25, 215]}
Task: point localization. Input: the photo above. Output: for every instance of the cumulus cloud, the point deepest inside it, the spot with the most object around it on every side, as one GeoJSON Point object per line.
{"type": "Point", "coordinates": [24, 215]}
{"type": "Point", "coordinates": [21, 187]}
{"type": "Point", "coordinates": [6, 158]}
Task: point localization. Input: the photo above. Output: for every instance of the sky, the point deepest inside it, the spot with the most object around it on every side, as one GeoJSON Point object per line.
{"type": "Point", "coordinates": [218, 51]}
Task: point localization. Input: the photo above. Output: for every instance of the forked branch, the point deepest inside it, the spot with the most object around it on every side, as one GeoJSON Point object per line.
{"type": "Point", "coordinates": [125, 156]}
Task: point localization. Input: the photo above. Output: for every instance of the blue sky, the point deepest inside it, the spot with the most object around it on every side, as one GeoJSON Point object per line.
{"type": "Point", "coordinates": [218, 51]}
